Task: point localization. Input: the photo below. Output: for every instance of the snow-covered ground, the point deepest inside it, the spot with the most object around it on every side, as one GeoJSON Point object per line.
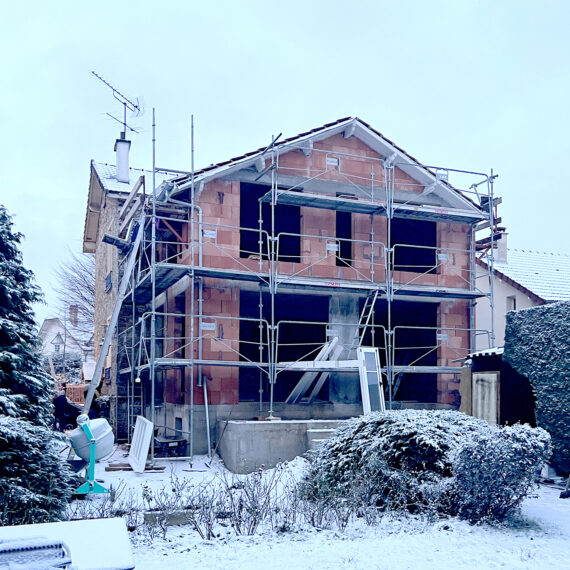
{"type": "Point", "coordinates": [540, 539]}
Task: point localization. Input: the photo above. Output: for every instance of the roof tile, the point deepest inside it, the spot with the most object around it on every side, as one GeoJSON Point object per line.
{"type": "Point", "coordinates": [545, 274]}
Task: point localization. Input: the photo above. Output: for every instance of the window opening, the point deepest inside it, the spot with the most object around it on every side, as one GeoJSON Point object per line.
{"type": "Point", "coordinates": [295, 340]}
{"type": "Point", "coordinates": [287, 221]}
{"type": "Point", "coordinates": [344, 237]}
{"type": "Point", "coordinates": [177, 427]}
{"type": "Point", "coordinates": [511, 303]}
{"type": "Point", "coordinates": [414, 243]}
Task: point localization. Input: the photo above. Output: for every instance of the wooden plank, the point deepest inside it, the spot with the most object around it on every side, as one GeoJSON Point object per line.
{"type": "Point", "coordinates": [126, 467]}
{"type": "Point", "coordinates": [487, 240]}
{"type": "Point", "coordinates": [307, 379]}
{"type": "Point", "coordinates": [487, 224]}
{"type": "Point", "coordinates": [125, 223]}
{"type": "Point", "coordinates": [324, 375]}
{"type": "Point", "coordinates": [131, 197]}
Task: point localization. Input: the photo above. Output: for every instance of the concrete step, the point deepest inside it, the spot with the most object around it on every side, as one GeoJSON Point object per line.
{"type": "Point", "coordinates": [318, 434]}
{"type": "Point", "coordinates": [324, 424]}
{"type": "Point", "coordinates": [314, 443]}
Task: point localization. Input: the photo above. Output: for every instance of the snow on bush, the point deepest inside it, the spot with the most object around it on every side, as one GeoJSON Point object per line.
{"type": "Point", "coordinates": [493, 473]}
{"type": "Point", "coordinates": [421, 461]}
{"type": "Point", "coordinates": [35, 484]}
{"type": "Point", "coordinates": [537, 346]}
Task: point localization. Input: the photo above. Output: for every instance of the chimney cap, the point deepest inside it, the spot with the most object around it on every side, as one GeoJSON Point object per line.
{"type": "Point", "coordinates": [120, 141]}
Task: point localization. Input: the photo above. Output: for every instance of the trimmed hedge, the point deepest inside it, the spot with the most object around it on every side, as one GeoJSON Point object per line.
{"type": "Point", "coordinates": [537, 346]}
{"type": "Point", "coordinates": [428, 462]}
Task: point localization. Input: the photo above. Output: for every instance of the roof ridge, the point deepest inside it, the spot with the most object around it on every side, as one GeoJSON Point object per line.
{"type": "Point", "coordinates": [130, 167]}
{"type": "Point", "coordinates": [521, 250]}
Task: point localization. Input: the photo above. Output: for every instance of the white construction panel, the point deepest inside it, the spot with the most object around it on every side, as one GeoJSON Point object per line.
{"type": "Point", "coordinates": [370, 380]}
{"type": "Point", "coordinates": [140, 444]}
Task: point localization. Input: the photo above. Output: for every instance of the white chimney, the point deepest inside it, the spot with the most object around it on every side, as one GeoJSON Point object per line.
{"type": "Point", "coordinates": [122, 147]}
{"type": "Point", "coordinates": [501, 255]}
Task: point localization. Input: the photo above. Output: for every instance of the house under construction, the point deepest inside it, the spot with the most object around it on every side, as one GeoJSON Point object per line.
{"type": "Point", "coordinates": [242, 290]}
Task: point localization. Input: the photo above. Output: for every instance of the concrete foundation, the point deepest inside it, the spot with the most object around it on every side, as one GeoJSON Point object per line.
{"type": "Point", "coordinates": [249, 445]}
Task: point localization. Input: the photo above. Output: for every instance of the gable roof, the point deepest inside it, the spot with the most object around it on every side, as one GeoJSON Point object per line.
{"type": "Point", "coordinates": [73, 334]}
{"type": "Point", "coordinates": [107, 175]}
{"type": "Point", "coordinates": [546, 275]}
{"type": "Point", "coordinates": [349, 126]}
{"type": "Point", "coordinates": [103, 180]}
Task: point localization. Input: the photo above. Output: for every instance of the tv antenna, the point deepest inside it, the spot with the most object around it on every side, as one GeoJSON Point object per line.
{"type": "Point", "coordinates": [135, 107]}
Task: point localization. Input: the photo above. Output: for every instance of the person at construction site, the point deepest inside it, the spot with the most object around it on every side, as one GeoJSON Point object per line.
{"type": "Point", "coordinates": [94, 408]}
{"type": "Point", "coordinates": [64, 411]}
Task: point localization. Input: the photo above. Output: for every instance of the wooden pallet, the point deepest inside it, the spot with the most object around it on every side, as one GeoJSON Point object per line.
{"type": "Point", "coordinates": [126, 467]}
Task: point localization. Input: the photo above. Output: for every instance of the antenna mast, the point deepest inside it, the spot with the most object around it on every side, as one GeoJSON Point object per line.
{"type": "Point", "coordinates": [134, 106]}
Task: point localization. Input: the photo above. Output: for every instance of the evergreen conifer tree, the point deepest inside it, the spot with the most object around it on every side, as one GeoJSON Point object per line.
{"type": "Point", "coordinates": [34, 483]}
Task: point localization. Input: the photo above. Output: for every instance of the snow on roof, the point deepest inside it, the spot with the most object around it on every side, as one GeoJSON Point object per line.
{"type": "Point", "coordinates": [107, 174]}
{"type": "Point", "coordinates": [545, 274]}
{"type": "Point", "coordinates": [82, 338]}
{"type": "Point", "coordinates": [487, 352]}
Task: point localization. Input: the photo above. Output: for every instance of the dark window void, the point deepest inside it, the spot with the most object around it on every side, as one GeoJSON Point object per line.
{"type": "Point", "coordinates": [344, 235]}
{"type": "Point", "coordinates": [179, 327]}
{"type": "Point", "coordinates": [414, 243]}
{"type": "Point", "coordinates": [287, 225]}
{"type": "Point", "coordinates": [414, 346]}
{"type": "Point", "coordinates": [168, 239]}
{"type": "Point", "coordinates": [296, 341]}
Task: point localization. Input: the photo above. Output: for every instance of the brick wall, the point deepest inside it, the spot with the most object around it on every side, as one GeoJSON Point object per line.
{"type": "Point", "coordinates": [106, 261]}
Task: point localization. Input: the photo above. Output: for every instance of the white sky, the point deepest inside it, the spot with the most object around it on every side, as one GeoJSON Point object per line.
{"type": "Point", "coordinates": [466, 84]}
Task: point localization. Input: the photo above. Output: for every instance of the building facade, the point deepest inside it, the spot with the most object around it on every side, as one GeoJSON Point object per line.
{"type": "Point", "coordinates": [244, 289]}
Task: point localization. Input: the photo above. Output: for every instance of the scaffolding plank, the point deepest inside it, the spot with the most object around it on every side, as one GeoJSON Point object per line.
{"type": "Point", "coordinates": [427, 369]}
{"type": "Point", "coordinates": [303, 366]}
{"type": "Point", "coordinates": [361, 206]}
{"type": "Point", "coordinates": [167, 274]}
{"type": "Point", "coordinates": [170, 273]}
{"type": "Point", "coordinates": [322, 366]}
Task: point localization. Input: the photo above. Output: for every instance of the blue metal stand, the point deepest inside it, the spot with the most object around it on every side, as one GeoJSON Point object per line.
{"type": "Point", "coordinates": [90, 486]}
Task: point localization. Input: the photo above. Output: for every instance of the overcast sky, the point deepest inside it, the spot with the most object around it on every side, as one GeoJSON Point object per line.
{"type": "Point", "coordinates": [465, 84]}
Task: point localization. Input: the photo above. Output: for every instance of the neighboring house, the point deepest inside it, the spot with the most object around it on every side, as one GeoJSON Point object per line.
{"type": "Point", "coordinates": [59, 340]}
{"type": "Point", "coordinates": [269, 269]}
{"type": "Point", "coordinates": [522, 279]}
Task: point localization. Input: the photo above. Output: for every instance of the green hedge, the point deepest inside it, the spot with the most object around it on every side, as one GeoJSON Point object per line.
{"type": "Point", "coordinates": [537, 346]}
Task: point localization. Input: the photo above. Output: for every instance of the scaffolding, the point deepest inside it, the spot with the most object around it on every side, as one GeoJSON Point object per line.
{"type": "Point", "coordinates": [169, 246]}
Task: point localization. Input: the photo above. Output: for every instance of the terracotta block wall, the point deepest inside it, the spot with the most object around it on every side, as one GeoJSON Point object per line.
{"type": "Point", "coordinates": [453, 320]}
{"type": "Point", "coordinates": [221, 307]}
{"type": "Point", "coordinates": [220, 203]}
{"type": "Point", "coordinates": [455, 239]}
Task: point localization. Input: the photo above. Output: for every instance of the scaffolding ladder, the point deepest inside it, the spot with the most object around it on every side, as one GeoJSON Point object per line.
{"type": "Point", "coordinates": [365, 316]}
